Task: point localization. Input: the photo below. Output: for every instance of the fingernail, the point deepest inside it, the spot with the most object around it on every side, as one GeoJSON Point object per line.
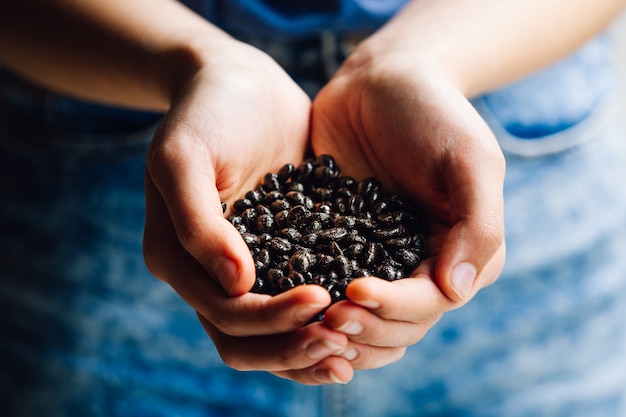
{"type": "Point", "coordinates": [351, 327]}
{"type": "Point", "coordinates": [226, 272]}
{"type": "Point", "coordinates": [350, 354]}
{"type": "Point", "coordinates": [325, 376]}
{"type": "Point", "coordinates": [322, 348]}
{"type": "Point", "coordinates": [463, 277]}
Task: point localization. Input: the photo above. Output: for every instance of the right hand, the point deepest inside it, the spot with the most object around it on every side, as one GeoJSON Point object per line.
{"type": "Point", "coordinates": [236, 118]}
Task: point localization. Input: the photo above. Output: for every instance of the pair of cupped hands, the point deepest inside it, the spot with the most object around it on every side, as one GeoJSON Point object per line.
{"type": "Point", "coordinates": [390, 117]}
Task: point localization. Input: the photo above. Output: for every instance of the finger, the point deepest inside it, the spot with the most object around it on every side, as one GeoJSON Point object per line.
{"type": "Point", "coordinates": [476, 219]}
{"type": "Point", "coordinates": [332, 370]}
{"type": "Point", "coordinates": [364, 327]}
{"type": "Point", "coordinates": [373, 357]}
{"type": "Point", "coordinates": [295, 350]}
{"type": "Point", "coordinates": [414, 300]}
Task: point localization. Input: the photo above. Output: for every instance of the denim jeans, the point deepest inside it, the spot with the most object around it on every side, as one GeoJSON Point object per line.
{"type": "Point", "coordinates": [85, 330]}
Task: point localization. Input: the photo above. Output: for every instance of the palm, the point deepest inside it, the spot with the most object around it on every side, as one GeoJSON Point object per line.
{"type": "Point", "coordinates": [417, 134]}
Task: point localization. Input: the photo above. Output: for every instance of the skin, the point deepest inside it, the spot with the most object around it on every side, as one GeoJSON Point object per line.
{"type": "Point", "coordinates": [397, 109]}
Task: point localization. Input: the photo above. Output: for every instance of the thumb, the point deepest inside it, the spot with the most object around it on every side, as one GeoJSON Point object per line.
{"type": "Point", "coordinates": [472, 253]}
{"type": "Point", "coordinates": [194, 209]}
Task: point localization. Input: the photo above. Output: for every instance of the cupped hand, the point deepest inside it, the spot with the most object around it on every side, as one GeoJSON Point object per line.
{"type": "Point", "coordinates": [237, 117]}
{"type": "Point", "coordinates": [403, 122]}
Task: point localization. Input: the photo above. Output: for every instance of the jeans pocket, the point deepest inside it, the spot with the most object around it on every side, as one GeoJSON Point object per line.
{"type": "Point", "coordinates": [588, 128]}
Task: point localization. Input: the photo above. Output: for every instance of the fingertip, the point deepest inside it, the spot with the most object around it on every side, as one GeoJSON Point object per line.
{"type": "Point", "coordinates": [363, 292]}
{"type": "Point", "coordinates": [231, 263]}
{"type": "Point", "coordinates": [333, 370]}
{"type": "Point", "coordinates": [462, 279]}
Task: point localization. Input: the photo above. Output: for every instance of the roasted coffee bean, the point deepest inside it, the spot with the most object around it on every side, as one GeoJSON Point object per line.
{"type": "Point", "coordinates": [298, 278]}
{"type": "Point", "coordinates": [356, 203]}
{"type": "Point", "coordinates": [355, 251]}
{"type": "Point", "coordinates": [224, 207]}
{"type": "Point", "coordinates": [325, 160]}
{"type": "Point", "coordinates": [264, 257]}
{"type": "Point", "coordinates": [323, 174]}
{"type": "Point", "coordinates": [251, 239]}
{"type": "Point", "coordinates": [354, 237]}
{"type": "Point", "coordinates": [343, 192]}
{"type": "Point", "coordinates": [242, 204]}
{"type": "Point", "coordinates": [290, 233]}
{"type": "Point", "coordinates": [254, 197]}
{"type": "Point", "coordinates": [323, 262]}
{"type": "Point", "coordinates": [322, 193]}
{"type": "Point", "coordinates": [241, 228]}
{"type": "Point", "coordinates": [265, 237]}
{"type": "Point", "coordinates": [271, 182]}
{"type": "Point", "coordinates": [295, 198]}
{"type": "Point", "coordinates": [297, 216]}
{"type": "Point", "coordinates": [274, 274]}
{"type": "Point", "coordinates": [343, 266]}
{"type": "Point", "coordinates": [362, 272]}
{"type": "Point", "coordinates": [249, 217]}
{"type": "Point", "coordinates": [261, 209]}
{"type": "Point", "coordinates": [265, 223]}
{"type": "Point", "coordinates": [260, 286]}
{"type": "Point", "coordinates": [340, 205]}
{"type": "Point", "coordinates": [303, 171]}
{"type": "Point", "coordinates": [344, 221]}
{"type": "Point", "coordinates": [309, 203]}
{"type": "Point", "coordinates": [301, 261]}
{"type": "Point", "coordinates": [388, 233]}
{"type": "Point", "coordinates": [285, 172]}
{"type": "Point", "coordinates": [346, 182]}
{"type": "Point", "coordinates": [366, 224]}
{"type": "Point", "coordinates": [271, 196]}
{"type": "Point", "coordinates": [235, 220]}
{"type": "Point", "coordinates": [285, 283]}
{"type": "Point", "coordinates": [399, 242]}
{"type": "Point", "coordinates": [368, 186]}
{"type": "Point", "coordinates": [373, 254]}
{"type": "Point", "coordinates": [337, 292]}
{"type": "Point", "coordinates": [409, 258]}
{"type": "Point", "coordinates": [322, 208]}
{"type": "Point", "coordinates": [319, 279]}
{"type": "Point", "coordinates": [280, 219]}
{"type": "Point", "coordinates": [322, 218]}
{"type": "Point", "coordinates": [380, 207]}
{"type": "Point", "coordinates": [293, 186]}
{"type": "Point", "coordinates": [280, 245]}
{"type": "Point", "coordinates": [334, 249]}
{"type": "Point", "coordinates": [312, 226]}
{"type": "Point", "coordinates": [333, 234]}
{"type": "Point", "coordinates": [280, 205]}
{"type": "Point", "coordinates": [389, 272]}
{"type": "Point", "coordinates": [309, 240]}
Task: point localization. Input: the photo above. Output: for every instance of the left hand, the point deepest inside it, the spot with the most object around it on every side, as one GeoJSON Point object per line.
{"type": "Point", "coordinates": [407, 125]}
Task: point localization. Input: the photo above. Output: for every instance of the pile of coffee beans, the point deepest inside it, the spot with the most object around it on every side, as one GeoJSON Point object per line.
{"type": "Point", "coordinates": [308, 224]}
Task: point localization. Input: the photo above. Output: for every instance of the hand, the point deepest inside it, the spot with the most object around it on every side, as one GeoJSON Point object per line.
{"type": "Point", "coordinates": [404, 123]}
{"type": "Point", "coordinates": [235, 119]}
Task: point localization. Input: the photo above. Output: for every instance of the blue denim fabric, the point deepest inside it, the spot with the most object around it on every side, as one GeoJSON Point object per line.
{"type": "Point", "coordinates": [85, 330]}
{"type": "Point", "coordinates": [286, 19]}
